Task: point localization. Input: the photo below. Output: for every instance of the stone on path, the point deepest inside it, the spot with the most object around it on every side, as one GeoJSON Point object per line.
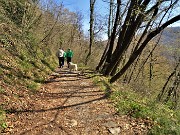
{"type": "Point", "coordinates": [115, 131]}
{"type": "Point", "coordinates": [110, 124]}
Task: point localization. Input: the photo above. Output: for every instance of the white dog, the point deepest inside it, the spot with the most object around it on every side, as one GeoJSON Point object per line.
{"type": "Point", "coordinates": [72, 66]}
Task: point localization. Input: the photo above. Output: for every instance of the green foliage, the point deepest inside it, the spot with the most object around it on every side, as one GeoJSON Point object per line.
{"type": "Point", "coordinates": [1, 71]}
{"type": "Point", "coordinates": [1, 90]}
{"type": "Point", "coordinates": [128, 103]}
{"type": "Point", "coordinates": [45, 62]}
{"type": "Point", "coordinates": [3, 125]}
{"type": "Point", "coordinates": [5, 42]}
{"type": "Point", "coordinates": [14, 10]}
{"type": "Point", "coordinates": [25, 65]}
{"type": "Point", "coordinates": [22, 58]}
{"type": "Point", "coordinates": [33, 86]}
{"type": "Point", "coordinates": [165, 120]}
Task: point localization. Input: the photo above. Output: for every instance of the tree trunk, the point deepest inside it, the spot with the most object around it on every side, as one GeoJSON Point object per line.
{"type": "Point", "coordinates": [110, 22]}
{"type": "Point", "coordinates": [103, 57]}
{"type": "Point", "coordinates": [119, 49]}
{"type": "Point", "coordinates": [160, 95]}
{"type": "Point", "coordinates": [92, 2]}
{"type": "Point", "coordinates": [113, 35]}
{"type": "Point", "coordinates": [144, 44]}
{"type": "Point", "coordinates": [128, 31]}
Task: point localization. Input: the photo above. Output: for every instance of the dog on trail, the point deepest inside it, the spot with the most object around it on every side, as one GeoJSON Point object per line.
{"type": "Point", "coordinates": [72, 66]}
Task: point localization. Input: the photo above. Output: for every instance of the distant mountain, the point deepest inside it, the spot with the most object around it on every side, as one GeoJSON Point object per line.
{"type": "Point", "coordinates": [171, 36]}
{"type": "Point", "coordinates": [171, 40]}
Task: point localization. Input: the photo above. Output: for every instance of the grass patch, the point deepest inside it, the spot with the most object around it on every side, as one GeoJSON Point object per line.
{"type": "Point", "coordinates": [1, 71]}
{"type": "Point", "coordinates": [2, 90]}
{"type": "Point", "coordinates": [25, 64]}
{"type": "Point", "coordinates": [103, 83]}
{"type": "Point", "coordinates": [165, 120]}
{"type": "Point", "coordinates": [47, 64]}
{"type": "Point", "coordinates": [3, 124]}
{"type": "Point", "coordinates": [39, 80]}
{"type": "Point", "coordinates": [33, 86]}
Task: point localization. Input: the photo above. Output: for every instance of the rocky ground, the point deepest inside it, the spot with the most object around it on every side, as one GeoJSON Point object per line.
{"type": "Point", "coordinates": [67, 104]}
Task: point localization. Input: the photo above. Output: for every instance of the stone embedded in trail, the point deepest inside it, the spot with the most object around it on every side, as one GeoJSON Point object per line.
{"type": "Point", "coordinates": [110, 124]}
{"type": "Point", "coordinates": [73, 123]}
{"type": "Point", "coordinates": [115, 131]}
{"type": "Point", "coordinates": [55, 74]}
{"type": "Point", "coordinates": [102, 116]}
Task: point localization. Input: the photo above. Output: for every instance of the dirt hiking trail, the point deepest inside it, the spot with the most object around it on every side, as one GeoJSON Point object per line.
{"type": "Point", "coordinates": [69, 104]}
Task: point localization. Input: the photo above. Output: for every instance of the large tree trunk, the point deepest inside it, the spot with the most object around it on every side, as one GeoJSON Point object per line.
{"type": "Point", "coordinates": [130, 26]}
{"type": "Point", "coordinates": [110, 22]}
{"type": "Point", "coordinates": [114, 58]}
{"type": "Point", "coordinates": [144, 44]}
{"type": "Point", "coordinates": [92, 3]}
{"type": "Point", "coordinates": [103, 58]}
{"type": "Point", "coordinates": [135, 17]}
{"type": "Point", "coordinates": [111, 36]}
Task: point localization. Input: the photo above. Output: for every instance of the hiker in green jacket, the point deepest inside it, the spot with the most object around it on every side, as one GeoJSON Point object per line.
{"type": "Point", "coordinates": [69, 55]}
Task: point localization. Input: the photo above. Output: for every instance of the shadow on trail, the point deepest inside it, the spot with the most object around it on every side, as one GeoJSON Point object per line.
{"type": "Point", "coordinates": [75, 76]}
{"type": "Point", "coordinates": [55, 108]}
{"type": "Point", "coordinates": [63, 73]}
{"type": "Point", "coordinates": [69, 80]}
{"type": "Point", "coordinates": [67, 95]}
{"type": "Point", "coordinates": [47, 95]}
{"type": "Point", "coordinates": [74, 91]}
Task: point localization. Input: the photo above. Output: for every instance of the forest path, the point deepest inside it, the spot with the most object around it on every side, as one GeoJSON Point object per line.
{"type": "Point", "coordinates": [70, 104]}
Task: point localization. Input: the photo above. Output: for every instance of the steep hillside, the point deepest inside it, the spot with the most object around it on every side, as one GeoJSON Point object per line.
{"type": "Point", "coordinates": [29, 39]}
{"type": "Point", "coordinates": [21, 60]}
{"type": "Point", "coordinates": [23, 63]}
